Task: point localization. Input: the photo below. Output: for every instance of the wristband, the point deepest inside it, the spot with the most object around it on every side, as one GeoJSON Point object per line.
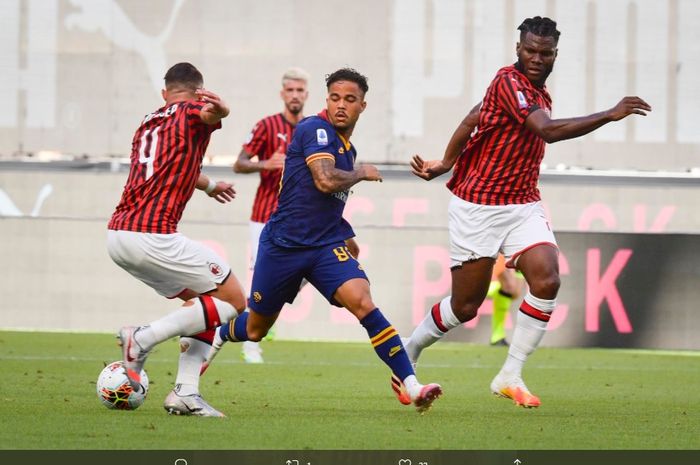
{"type": "Point", "coordinates": [210, 187]}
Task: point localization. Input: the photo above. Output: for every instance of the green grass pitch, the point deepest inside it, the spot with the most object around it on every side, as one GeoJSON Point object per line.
{"type": "Point", "coordinates": [312, 395]}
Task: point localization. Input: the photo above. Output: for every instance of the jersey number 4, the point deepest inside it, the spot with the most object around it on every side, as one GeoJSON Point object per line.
{"type": "Point", "coordinates": [149, 158]}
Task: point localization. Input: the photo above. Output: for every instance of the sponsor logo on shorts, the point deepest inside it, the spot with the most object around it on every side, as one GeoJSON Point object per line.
{"type": "Point", "coordinates": [216, 270]}
{"type": "Point", "coordinates": [257, 297]}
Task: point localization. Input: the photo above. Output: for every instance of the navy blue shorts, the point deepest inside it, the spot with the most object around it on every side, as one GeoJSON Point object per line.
{"type": "Point", "coordinates": [279, 271]}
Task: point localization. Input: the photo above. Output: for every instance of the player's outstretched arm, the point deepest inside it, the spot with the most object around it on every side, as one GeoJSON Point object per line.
{"type": "Point", "coordinates": [244, 164]}
{"type": "Point", "coordinates": [215, 109]}
{"type": "Point", "coordinates": [430, 169]}
{"type": "Point", "coordinates": [329, 179]}
{"type": "Point", "coordinates": [554, 130]}
{"type": "Point", "coordinates": [221, 191]}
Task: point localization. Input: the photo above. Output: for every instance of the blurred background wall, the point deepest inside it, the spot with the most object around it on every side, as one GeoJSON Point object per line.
{"type": "Point", "coordinates": [76, 76]}
{"type": "Point", "coordinates": [628, 258]}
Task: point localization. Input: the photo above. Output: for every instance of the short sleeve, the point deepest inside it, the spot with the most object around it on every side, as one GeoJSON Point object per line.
{"type": "Point", "coordinates": [256, 141]}
{"type": "Point", "coordinates": [316, 142]}
{"type": "Point", "coordinates": [514, 98]}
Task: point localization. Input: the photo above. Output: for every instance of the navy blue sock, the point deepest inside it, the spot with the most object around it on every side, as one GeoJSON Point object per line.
{"type": "Point", "coordinates": [235, 330]}
{"type": "Point", "coordinates": [239, 327]}
{"type": "Point", "coordinates": [387, 343]}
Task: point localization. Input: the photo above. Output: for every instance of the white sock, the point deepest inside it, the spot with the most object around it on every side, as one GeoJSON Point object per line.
{"type": "Point", "coordinates": [187, 320]}
{"type": "Point", "coordinates": [412, 386]}
{"type": "Point", "coordinates": [250, 345]}
{"type": "Point", "coordinates": [192, 355]}
{"type": "Point", "coordinates": [428, 332]}
{"type": "Point", "coordinates": [528, 333]}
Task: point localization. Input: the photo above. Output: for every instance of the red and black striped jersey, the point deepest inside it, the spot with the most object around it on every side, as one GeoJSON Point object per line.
{"type": "Point", "coordinates": [166, 161]}
{"type": "Point", "coordinates": [500, 164]}
{"type": "Point", "coordinates": [268, 135]}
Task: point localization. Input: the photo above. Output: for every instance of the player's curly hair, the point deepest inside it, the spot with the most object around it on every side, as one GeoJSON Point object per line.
{"type": "Point", "coordinates": [543, 27]}
{"type": "Point", "coordinates": [183, 74]}
{"type": "Point", "coordinates": [347, 74]}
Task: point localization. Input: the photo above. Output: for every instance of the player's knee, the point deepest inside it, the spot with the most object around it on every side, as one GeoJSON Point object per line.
{"type": "Point", "coordinates": [546, 288]}
{"type": "Point", "coordinates": [256, 334]}
{"type": "Point", "coordinates": [366, 303]}
{"type": "Point", "coordinates": [362, 307]}
{"type": "Point", "coordinates": [236, 299]}
{"type": "Point", "coordinates": [464, 311]}
{"type": "Point", "coordinates": [240, 303]}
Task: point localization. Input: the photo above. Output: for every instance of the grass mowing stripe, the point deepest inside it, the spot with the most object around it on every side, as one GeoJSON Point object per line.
{"type": "Point", "coordinates": [337, 396]}
{"type": "Point", "coordinates": [533, 364]}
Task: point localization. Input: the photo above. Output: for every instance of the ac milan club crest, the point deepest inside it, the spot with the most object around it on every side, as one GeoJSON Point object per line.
{"type": "Point", "coordinates": [215, 269]}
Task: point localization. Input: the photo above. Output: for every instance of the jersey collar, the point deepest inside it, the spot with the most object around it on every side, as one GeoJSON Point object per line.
{"type": "Point", "coordinates": [323, 114]}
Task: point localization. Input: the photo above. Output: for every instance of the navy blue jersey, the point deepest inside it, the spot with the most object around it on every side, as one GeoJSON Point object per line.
{"type": "Point", "coordinates": [305, 216]}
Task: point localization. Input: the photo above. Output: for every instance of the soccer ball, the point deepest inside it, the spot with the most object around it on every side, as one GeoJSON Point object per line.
{"type": "Point", "coordinates": [115, 391]}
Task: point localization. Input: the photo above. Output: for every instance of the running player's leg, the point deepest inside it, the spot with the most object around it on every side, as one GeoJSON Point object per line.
{"type": "Point", "coordinates": [540, 267]}
{"type": "Point", "coordinates": [355, 295]}
{"type": "Point", "coordinates": [185, 398]}
{"type": "Point", "coordinates": [176, 266]}
{"type": "Point", "coordinates": [276, 280]}
{"type": "Point", "coordinates": [470, 283]}
{"type": "Point", "coordinates": [212, 294]}
{"type": "Point", "coordinates": [534, 252]}
{"type": "Point", "coordinates": [475, 233]}
{"type": "Point", "coordinates": [339, 277]}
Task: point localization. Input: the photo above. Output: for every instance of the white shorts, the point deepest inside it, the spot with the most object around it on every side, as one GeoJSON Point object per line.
{"type": "Point", "coordinates": [478, 231]}
{"type": "Point", "coordinates": [169, 263]}
{"type": "Point", "coordinates": [255, 231]}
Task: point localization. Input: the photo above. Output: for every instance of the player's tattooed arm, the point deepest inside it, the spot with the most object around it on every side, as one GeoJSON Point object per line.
{"type": "Point", "coordinates": [244, 164]}
{"type": "Point", "coordinates": [329, 179]}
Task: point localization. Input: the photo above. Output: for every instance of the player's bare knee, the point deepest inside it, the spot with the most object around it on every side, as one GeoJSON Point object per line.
{"type": "Point", "coordinates": [546, 288]}
{"type": "Point", "coordinates": [464, 312]}
{"type": "Point", "coordinates": [240, 303]}
{"type": "Point", "coordinates": [366, 303]}
{"type": "Point", "coordinates": [359, 305]}
{"type": "Point", "coordinates": [256, 334]}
